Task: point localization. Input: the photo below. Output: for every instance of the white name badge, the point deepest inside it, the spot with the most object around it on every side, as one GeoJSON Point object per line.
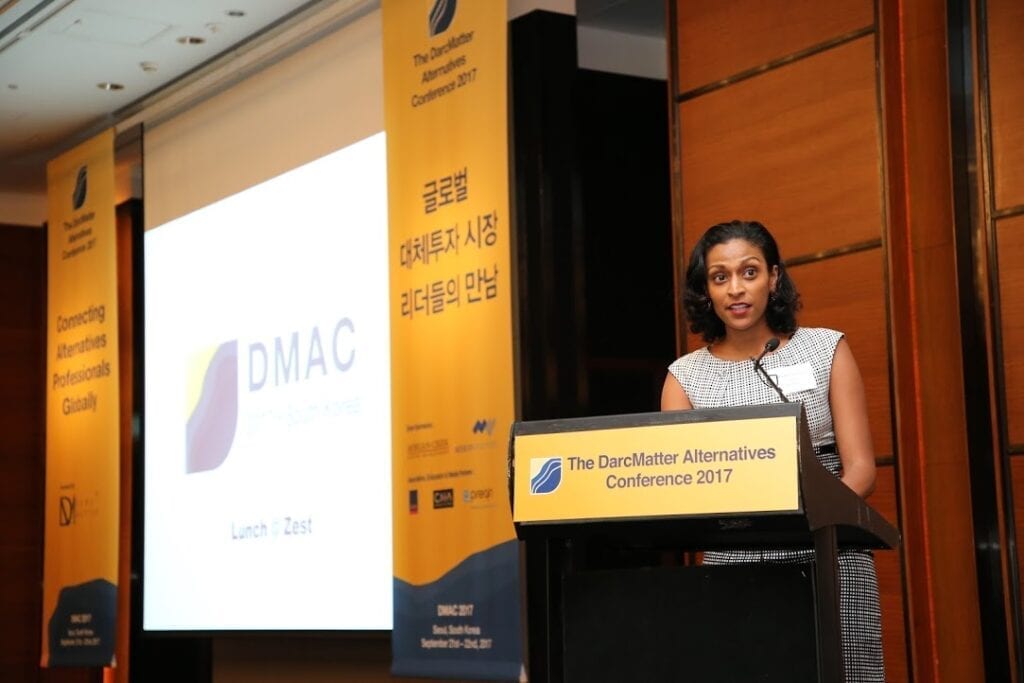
{"type": "Point", "coordinates": [794, 378]}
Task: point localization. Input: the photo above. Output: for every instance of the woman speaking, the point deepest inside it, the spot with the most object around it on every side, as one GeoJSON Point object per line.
{"type": "Point", "coordinates": [740, 299]}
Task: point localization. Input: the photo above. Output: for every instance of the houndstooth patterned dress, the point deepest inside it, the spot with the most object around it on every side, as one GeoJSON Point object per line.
{"type": "Point", "coordinates": [711, 382]}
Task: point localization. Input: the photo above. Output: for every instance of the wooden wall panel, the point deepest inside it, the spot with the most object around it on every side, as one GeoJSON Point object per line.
{"type": "Point", "coordinates": [799, 148]}
{"type": "Point", "coordinates": [21, 455]}
{"type": "Point", "coordinates": [22, 425]}
{"type": "Point", "coordinates": [1010, 238]}
{"type": "Point", "coordinates": [806, 165]}
{"type": "Point", "coordinates": [1006, 93]}
{"type": "Point", "coordinates": [727, 37]}
{"type": "Point", "coordinates": [890, 583]}
{"type": "Point", "coordinates": [128, 215]}
{"type": "Point", "coordinates": [941, 604]}
{"type": "Point", "coordinates": [847, 293]}
{"type": "Point", "coordinates": [1017, 477]}
{"type": "Point", "coordinates": [19, 420]}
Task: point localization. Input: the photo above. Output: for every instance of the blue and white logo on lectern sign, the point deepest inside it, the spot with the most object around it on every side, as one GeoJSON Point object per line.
{"type": "Point", "coordinates": [545, 475]}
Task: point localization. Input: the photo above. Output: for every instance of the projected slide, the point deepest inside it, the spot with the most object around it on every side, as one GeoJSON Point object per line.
{"type": "Point", "coordinates": [267, 406]}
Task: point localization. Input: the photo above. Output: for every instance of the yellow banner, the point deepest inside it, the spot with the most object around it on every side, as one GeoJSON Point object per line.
{"type": "Point", "coordinates": [451, 325]}
{"type": "Point", "coordinates": [451, 317]}
{"type": "Point", "coordinates": [697, 468]}
{"type": "Point", "coordinates": [82, 408]}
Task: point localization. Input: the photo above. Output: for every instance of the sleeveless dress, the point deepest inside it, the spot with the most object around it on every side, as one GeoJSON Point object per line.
{"type": "Point", "coordinates": [711, 382]}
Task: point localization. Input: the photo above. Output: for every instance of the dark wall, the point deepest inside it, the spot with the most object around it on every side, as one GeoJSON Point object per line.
{"type": "Point", "coordinates": [596, 327]}
{"type": "Point", "coordinates": [622, 128]}
{"type": "Point", "coordinates": [593, 259]}
{"type": "Point", "coordinates": [22, 458]}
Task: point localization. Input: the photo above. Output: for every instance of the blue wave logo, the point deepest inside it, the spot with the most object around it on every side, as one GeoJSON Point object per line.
{"type": "Point", "coordinates": [81, 186]}
{"type": "Point", "coordinates": [441, 15]}
{"type": "Point", "coordinates": [545, 475]}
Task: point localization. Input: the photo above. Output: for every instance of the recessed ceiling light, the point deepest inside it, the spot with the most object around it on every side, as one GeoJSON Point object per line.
{"type": "Point", "coordinates": [191, 40]}
{"type": "Point", "coordinates": [235, 13]}
{"type": "Point", "coordinates": [149, 67]}
{"type": "Point", "coordinates": [110, 86]}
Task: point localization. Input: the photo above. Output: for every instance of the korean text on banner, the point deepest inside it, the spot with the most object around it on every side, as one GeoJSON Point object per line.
{"type": "Point", "coordinates": [455, 557]}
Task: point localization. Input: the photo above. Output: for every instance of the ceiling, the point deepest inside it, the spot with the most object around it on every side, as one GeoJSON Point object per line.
{"type": "Point", "coordinates": [56, 54]}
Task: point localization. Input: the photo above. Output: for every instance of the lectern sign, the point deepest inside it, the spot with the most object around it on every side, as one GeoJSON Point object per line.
{"type": "Point", "coordinates": [696, 468]}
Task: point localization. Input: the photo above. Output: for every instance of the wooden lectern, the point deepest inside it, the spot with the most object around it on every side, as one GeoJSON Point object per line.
{"type": "Point", "coordinates": [736, 478]}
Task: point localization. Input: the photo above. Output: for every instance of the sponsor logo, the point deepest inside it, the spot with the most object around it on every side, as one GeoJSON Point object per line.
{"type": "Point", "coordinates": [67, 511]}
{"type": "Point", "coordinates": [414, 501]}
{"type": "Point", "coordinates": [440, 17]}
{"type": "Point", "coordinates": [545, 475]}
{"type": "Point", "coordinates": [444, 498]}
{"type": "Point", "coordinates": [210, 429]}
{"type": "Point", "coordinates": [81, 188]}
{"type": "Point", "coordinates": [477, 495]}
{"type": "Point", "coordinates": [484, 426]}
{"type": "Point", "coordinates": [433, 447]}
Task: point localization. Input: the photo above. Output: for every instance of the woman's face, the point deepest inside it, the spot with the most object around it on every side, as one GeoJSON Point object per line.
{"type": "Point", "coordinates": [739, 281]}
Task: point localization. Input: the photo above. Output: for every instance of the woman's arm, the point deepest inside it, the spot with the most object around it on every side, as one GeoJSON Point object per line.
{"type": "Point", "coordinates": [672, 395]}
{"type": "Point", "coordinates": [850, 421]}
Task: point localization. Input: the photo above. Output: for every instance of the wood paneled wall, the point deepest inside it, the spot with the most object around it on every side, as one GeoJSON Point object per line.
{"type": "Point", "coordinates": [777, 119]}
{"type": "Point", "coordinates": [22, 459]}
{"type": "Point", "coordinates": [1010, 241]}
{"type": "Point", "coordinates": [129, 222]}
{"type": "Point", "coordinates": [22, 253]}
{"type": "Point", "coordinates": [1001, 141]}
{"type": "Point", "coordinates": [724, 39]}
{"type": "Point", "coordinates": [829, 123]}
{"type": "Point", "coordinates": [796, 147]}
{"type": "Point", "coordinates": [1006, 100]}
{"type": "Point", "coordinates": [857, 307]}
{"type": "Point", "coordinates": [890, 581]}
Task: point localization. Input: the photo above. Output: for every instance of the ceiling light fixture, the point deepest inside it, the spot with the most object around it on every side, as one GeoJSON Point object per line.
{"type": "Point", "coordinates": [149, 67]}
{"type": "Point", "coordinates": [191, 40]}
{"type": "Point", "coordinates": [110, 86]}
{"type": "Point", "coordinates": [235, 13]}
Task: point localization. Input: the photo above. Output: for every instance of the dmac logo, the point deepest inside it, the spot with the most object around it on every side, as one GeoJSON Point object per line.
{"type": "Point", "coordinates": [441, 15]}
{"type": "Point", "coordinates": [213, 395]}
{"type": "Point", "coordinates": [545, 475]}
{"type": "Point", "coordinates": [289, 360]}
{"type": "Point", "coordinates": [484, 427]}
{"type": "Point", "coordinates": [78, 196]}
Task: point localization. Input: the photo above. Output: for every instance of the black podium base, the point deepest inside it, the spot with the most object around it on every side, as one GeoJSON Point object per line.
{"type": "Point", "coordinates": [708, 623]}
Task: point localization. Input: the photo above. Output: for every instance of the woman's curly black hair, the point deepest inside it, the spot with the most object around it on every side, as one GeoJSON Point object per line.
{"type": "Point", "coordinates": [782, 304]}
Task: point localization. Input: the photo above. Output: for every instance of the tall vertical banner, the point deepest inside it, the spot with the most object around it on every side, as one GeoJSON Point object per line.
{"type": "Point", "coordinates": [456, 560]}
{"type": "Point", "coordinates": [82, 408]}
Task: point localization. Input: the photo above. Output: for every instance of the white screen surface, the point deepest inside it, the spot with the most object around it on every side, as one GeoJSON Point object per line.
{"type": "Point", "coordinates": [267, 406]}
